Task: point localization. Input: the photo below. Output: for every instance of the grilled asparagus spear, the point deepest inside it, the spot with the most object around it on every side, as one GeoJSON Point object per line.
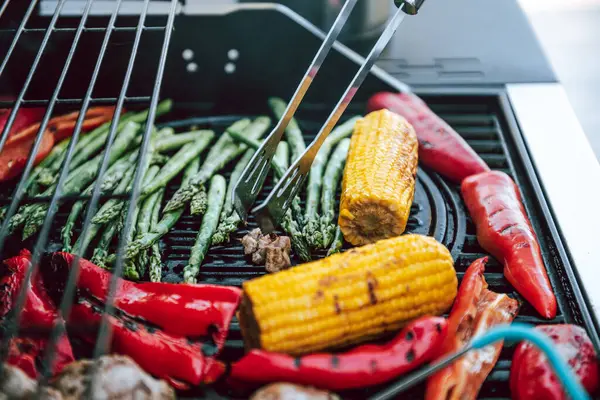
{"type": "Point", "coordinates": [175, 142]}
{"type": "Point", "coordinates": [169, 219]}
{"type": "Point", "coordinates": [230, 219]}
{"type": "Point", "coordinates": [199, 203]}
{"type": "Point", "coordinates": [288, 224]}
{"type": "Point", "coordinates": [312, 228]}
{"type": "Point", "coordinates": [178, 162]}
{"type": "Point", "coordinates": [216, 198]}
{"type": "Point", "coordinates": [155, 259]}
{"type": "Point", "coordinates": [338, 242]}
{"type": "Point", "coordinates": [293, 133]}
{"type": "Point", "coordinates": [331, 181]}
{"type": "Point", "coordinates": [224, 151]}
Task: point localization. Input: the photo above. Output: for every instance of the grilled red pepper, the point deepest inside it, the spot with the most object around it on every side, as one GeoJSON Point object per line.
{"type": "Point", "coordinates": [441, 148]}
{"type": "Point", "coordinates": [419, 342]}
{"type": "Point", "coordinates": [176, 359]}
{"type": "Point", "coordinates": [159, 325]}
{"type": "Point", "coordinates": [475, 310]}
{"type": "Point", "coordinates": [531, 377]}
{"type": "Point", "coordinates": [24, 118]}
{"type": "Point", "coordinates": [39, 312]}
{"type": "Point", "coordinates": [16, 150]}
{"type": "Point", "coordinates": [187, 310]}
{"type": "Point", "coordinates": [504, 230]}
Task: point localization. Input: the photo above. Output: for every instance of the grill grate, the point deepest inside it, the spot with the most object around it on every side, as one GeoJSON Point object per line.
{"type": "Point", "coordinates": [437, 211]}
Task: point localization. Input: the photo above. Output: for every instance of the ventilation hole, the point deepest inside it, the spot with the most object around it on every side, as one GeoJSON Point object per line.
{"type": "Point", "coordinates": [187, 54]}
{"type": "Point", "coordinates": [230, 68]}
{"type": "Point", "coordinates": [233, 54]}
{"type": "Point", "coordinates": [192, 67]}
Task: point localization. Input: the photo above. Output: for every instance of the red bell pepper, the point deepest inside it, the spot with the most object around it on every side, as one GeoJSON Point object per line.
{"type": "Point", "coordinates": [187, 310]}
{"type": "Point", "coordinates": [504, 230]}
{"type": "Point", "coordinates": [159, 325]}
{"type": "Point", "coordinates": [441, 148]}
{"type": "Point", "coordinates": [24, 118]}
{"type": "Point", "coordinates": [532, 377]}
{"type": "Point", "coordinates": [17, 148]}
{"type": "Point", "coordinates": [176, 359]}
{"type": "Point", "coordinates": [419, 342]}
{"type": "Point", "coordinates": [39, 312]}
{"type": "Point", "coordinates": [475, 310]}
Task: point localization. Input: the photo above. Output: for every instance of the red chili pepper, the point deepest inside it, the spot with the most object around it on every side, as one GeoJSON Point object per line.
{"type": "Point", "coordinates": [187, 310]}
{"type": "Point", "coordinates": [531, 377]}
{"type": "Point", "coordinates": [475, 310]}
{"type": "Point", "coordinates": [441, 148]}
{"type": "Point", "coordinates": [504, 230]}
{"type": "Point", "coordinates": [17, 148]}
{"type": "Point", "coordinates": [176, 359]}
{"type": "Point", "coordinates": [419, 342]}
{"type": "Point", "coordinates": [159, 325]}
{"type": "Point", "coordinates": [39, 312]}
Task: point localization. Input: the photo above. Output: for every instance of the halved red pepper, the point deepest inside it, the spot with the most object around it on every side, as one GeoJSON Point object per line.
{"type": "Point", "coordinates": [441, 148]}
{"type": "Point", "coordinates": [176, 359]}
{"type": "Point", "coordinates": [17, 148]}
{"type": "Point", "coordinates": [504, 230]}
{"type": "Point", "coordinates": [25, 117]}
{"type": "Point", "coordinates": [39, 312]}
{"type": "Point", "coordinates": [159, 325]}
{"type": "Point", "coordinates": [419, 342]}
{"type": "Point", "coordinates": [188, 310]}
{"type": "Point", "coordinates": [532, 377]}
{"type": "Point", "coordinates": [475, 310]}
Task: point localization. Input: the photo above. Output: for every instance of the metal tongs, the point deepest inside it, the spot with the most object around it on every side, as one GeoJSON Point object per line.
{"type": "Point", "coordinates": [272, 210]}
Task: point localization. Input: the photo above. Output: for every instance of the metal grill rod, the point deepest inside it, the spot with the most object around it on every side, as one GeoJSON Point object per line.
{"type": "Point", "coordinates": [20, 30]}
{"type": "Point", "coordinates": [14, 320]}
{"type": "Point", "coordinates": [4, 6]}
{"type": "Point", "coordinates": [93, 100]}
{"type": "Point", "coordinates": [67, 299]}
{"type": "Point", "coordinates": [20, 189]}
{"type": "Point", "coordinates": [13, 326]}
{"type": "Point", "coordinates": [103, 334]}
{"type": "Point", "coordinates": [90, 29]}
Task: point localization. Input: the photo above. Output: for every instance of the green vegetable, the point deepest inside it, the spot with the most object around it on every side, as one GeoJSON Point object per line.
{"type": "Point", "coordinates": [293, 133]}
{"type": "Point", "coordinates": [199, 203]}
{"type": "Point", "coordinates": [155, 260]}
{"type": "Point", "coordinates": [224, 151]}
{"type": "Point", "coordinates": [84, 241]}
{"type": "Point", "coordinates": [167, 222]}
{"type": "Point", "coordinates": [216, 198]}
{"type": "Point", "coordinates": [230, 219]}
{"type": "Point", "coordinates": [312, 229]}
{"type": "Point", "coordinates": [288, 224]}
{"type": "Point", "coordinates": [331, 181]}
{"type": "Point", "coordinates": [178, 162]}
{"type": "Point", "coordinates": [338, 242]}
{"type": "Point", "coordinates": [175, 142]}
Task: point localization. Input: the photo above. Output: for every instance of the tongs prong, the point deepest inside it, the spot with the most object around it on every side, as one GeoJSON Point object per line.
{"type": "Point", "coordinates": [253, 177]}
{"type": "Point", "coordinates": [272, 210]}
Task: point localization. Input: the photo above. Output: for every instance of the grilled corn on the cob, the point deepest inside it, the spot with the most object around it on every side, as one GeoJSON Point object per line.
{"type": "Point", "coordinates": [349, 297]}
{"type": "Point", "coordinates": [379, 178]}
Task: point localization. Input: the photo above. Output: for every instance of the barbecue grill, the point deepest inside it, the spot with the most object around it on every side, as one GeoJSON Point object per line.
{"type": "Point", "coordinates": [220, 61]}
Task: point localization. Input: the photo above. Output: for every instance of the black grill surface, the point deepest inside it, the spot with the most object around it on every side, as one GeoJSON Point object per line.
{"type": "Point", "coordinates": [437, 211]}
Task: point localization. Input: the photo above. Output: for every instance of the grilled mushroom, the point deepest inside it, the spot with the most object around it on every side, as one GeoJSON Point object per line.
{"type": "Point", "coordinates": [289, 391]}
{"type": "Point", "coordinates": [16, 385]}
{"type": "Point", "coordinates": [118, 377]}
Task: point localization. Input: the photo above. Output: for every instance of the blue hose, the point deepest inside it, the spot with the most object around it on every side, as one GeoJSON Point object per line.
{"type": "Point", "coordinates": [517, 332]}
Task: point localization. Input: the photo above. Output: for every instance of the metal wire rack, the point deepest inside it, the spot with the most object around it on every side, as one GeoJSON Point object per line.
{"type": "Point", "coordinates": [11, 325]}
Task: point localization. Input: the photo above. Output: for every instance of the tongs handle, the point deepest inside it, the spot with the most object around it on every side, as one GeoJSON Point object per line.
{"type": "Point", "coordinates": [272, 210]}
{"type": "Point", "coordinates": [253, 177]}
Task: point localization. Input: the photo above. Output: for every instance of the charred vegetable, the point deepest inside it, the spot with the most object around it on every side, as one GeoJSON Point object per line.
{"type": "Point", "coordinates": [278, 315]}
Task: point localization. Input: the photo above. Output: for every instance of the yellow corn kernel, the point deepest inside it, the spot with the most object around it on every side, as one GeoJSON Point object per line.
{"type": "Point", "coordinates": [379, 178]}
{"type": "Point", "coordinates": [349, 297]}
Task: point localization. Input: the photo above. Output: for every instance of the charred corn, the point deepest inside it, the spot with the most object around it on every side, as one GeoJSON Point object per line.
{"type": "Point", "coordinates": [379, 178]}
{"type": "Point", "coordinates": [349, 297]}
